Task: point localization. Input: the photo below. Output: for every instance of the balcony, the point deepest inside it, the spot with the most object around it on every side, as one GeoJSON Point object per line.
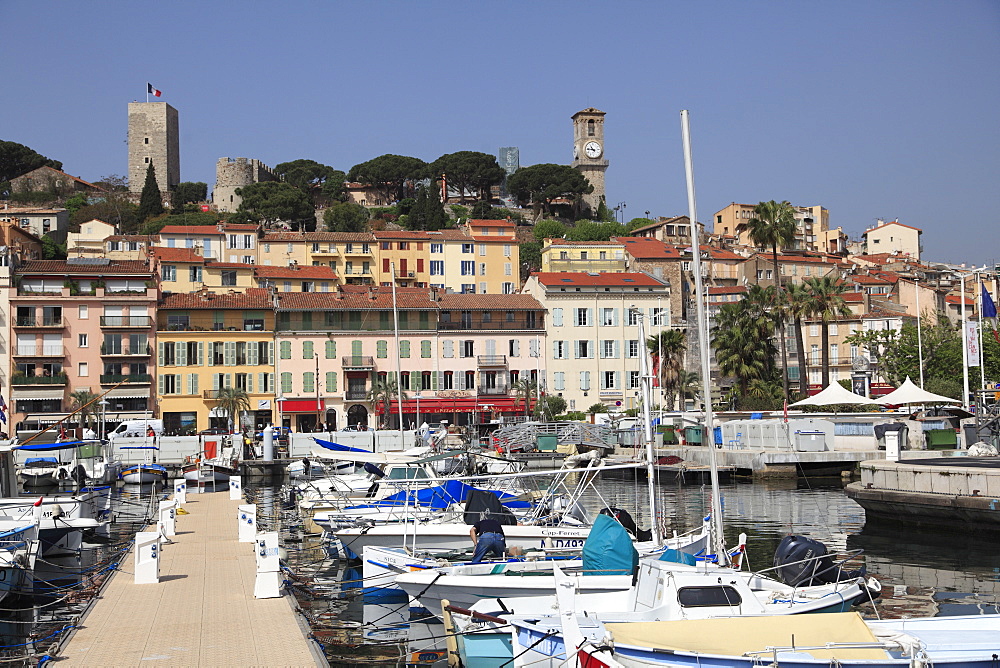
{"type": "Point", "coordinates": [356, 395]}
{"type": "Point", "coordinates": [519, 323]}
{"type": "Point", "coordinates": [403, 275]}
{"type": "Point", "coordinates": [326, 251]}
{"type": "Point", "coordinates": [133, 378]}
{"type": "Point", "coordinates": [125, 351]}
{"type": "Point", "coordinates": [358, 363]}
{"type": "Point", "coordinates": [492, 360]}
{"type": "Point", "coordinates": [498, 390]}
{"type": "Point", "coordinates": [576, 264]}
{"type": "Point", "coordinates": [31, 321]}
{"type": "Point", "coordinates": [39, 351]}
{"type": "Point", "coordinates": [124, 321]}
{"type": "Point", "coordinates": [58, 379]}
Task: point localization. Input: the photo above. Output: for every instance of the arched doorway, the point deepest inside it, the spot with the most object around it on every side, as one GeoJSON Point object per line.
{"type": "Point", "coordinates": [331, 419]}
{"type": "Point", "coordinates": [357, 415]}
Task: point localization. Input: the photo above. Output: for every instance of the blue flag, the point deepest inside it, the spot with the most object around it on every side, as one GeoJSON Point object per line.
{"type": "Point", "coordinates": [989, 308]}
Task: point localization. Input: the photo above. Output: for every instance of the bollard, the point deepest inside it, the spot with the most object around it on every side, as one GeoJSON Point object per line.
{"type": "Point", "coordinates": [267, 449]}
{"type": "Point", "coordinates": [166, 520]}
{"type": "Point", "coordinates": [268, 583]}
{"type": "Point", "coordinates": [247, 515]}
{"type": "Point", "coordinates": [235, 488]}
{"type": "Point", "coordinates": [147, 557]}
{"type": "Point", "coordinates": [180, 491]}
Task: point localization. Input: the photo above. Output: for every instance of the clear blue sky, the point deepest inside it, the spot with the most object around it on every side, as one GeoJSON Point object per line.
{"type": "Point", "coordinates": [871, 109]}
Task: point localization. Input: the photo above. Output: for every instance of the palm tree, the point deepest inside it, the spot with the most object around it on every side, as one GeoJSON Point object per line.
{"type": "Point", "coordinates": [827, 295]}
{"type": "Point", "coordinates": [524, 389]}
{"type": "Point", "coordinates": [798, 304]}
{"type": "Point", "coordinates": [742, 342]}
{"type": "Point", "coordinates": [383, 391]}
{"type": "Point", "coordinates": [773, 225]}
{"type": "Point", "coordinates": [687, 385]}
{"type": "Point", "coordinates": [233, 401]}
{"type": "Point", "coordinates": [86, 401]}
{"type": "Point", "coordinates": [671, 342]}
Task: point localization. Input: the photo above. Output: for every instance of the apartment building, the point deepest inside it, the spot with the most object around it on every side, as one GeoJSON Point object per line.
{"type": "Point", "coordinates": [296, 278]}
{"type": "Point", "coordinates": [207, 342]}
{"type": "Point", "coordinates": [566, 255]}
{"type": "Point", "coordinates": [893, 237]}
{"type": "Point", "coordinates": [183, 270]}
{"type": "Point", "coordinates": [81, 324]}
{"type": "Point", "coordinates": [350, 256]}
{"type": "Point", "coordinates": [402, 255]}
{"type": "Point", "coordinates": [592, 329]}
{"type": "Point", "coordinates": [812, 225]}
{"type": "Point", "coordinates": [225, 243]}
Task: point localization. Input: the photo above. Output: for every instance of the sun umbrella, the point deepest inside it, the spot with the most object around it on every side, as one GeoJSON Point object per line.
{"type": "Point", "coordinates": [908, 393]}
{"type": "Point", "coordinates": [833, 395]}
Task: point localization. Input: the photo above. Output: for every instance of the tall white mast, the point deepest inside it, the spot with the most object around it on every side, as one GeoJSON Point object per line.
{"type": "Point", "coordinates": [647, 424]}
{"type": "Point", "coordinates": [708, 438]}
{"type": "Point", "coordinates": [399, 370]}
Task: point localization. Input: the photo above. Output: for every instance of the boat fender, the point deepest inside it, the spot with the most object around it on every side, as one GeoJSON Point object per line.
{"type": "Point", "coordinates": [57, 511]}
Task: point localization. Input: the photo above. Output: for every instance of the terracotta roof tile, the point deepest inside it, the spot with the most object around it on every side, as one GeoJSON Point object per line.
{"type": "Point", "coordinates": [271, 237]}
{"type": "Point", "coordinates": [61, 267]}
{"type": "Point", "coordinates": [202, 230]}
{"type": "Point", "coordinates": [582, 279]}
{"type": "Point", "coordinates": [477, 222]}
{"type": "Point", "coordinates": [402, 234]}
{"type": "Point", "coordinates": [296, 271]}
{"type": "Point", "coordinates": [254, 298]}
{"type": "Point", "coordinates": [228, 265]}
{"type": "Point", "coordinates": [648, 248]}
{"type": "Point", "coordinates": [148, 238]}
{"type": "Point", "coordinates": [377, 300]}
{"type": "Point", "coordinates": [728, 290]}
{"type": "Point", "coordinates": [453, 235]}
{"type": "Point", "coordinates": [165, 254]}
{"type": "Point", "coordinates": [568, 242]}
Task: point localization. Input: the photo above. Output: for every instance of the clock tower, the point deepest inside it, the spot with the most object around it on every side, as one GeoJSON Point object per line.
{"type": "Point", "coordinates": [588, 153]}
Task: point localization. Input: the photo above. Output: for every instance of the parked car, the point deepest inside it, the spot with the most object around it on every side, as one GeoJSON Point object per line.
{"type": "Point", "coordinates": [214, 431]}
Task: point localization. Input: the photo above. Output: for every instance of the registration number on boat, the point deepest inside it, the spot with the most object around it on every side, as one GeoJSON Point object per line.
{"type": "Point", "coordinates": [566, 542]}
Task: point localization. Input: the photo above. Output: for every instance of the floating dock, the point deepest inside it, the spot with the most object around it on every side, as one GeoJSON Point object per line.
{"type": "Point", "coordinates": [201, 613]}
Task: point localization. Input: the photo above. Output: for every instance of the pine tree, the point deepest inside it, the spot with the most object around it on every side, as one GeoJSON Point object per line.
{"type": "Point", "coordinates": [150, 203]}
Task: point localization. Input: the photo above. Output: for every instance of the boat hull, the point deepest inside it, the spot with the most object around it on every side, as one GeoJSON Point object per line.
{"type": "Point", "coordinates": [138, 475]}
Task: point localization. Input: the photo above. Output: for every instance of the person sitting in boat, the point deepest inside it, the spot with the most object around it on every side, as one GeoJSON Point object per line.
{"type": "Point", "coordinates": [487, 535]}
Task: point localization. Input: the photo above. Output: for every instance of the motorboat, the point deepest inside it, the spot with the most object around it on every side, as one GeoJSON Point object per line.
{"type": "Point", "coordinates": [145, 472]}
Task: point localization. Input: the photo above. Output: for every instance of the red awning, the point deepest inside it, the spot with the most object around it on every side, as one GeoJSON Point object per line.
{"type": "Point", "coordinates": [302, 405]}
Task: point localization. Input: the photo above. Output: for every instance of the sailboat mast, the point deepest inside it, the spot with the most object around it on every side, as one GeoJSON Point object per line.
{"type": "Point", "coordinates": [708, 438]}
{"type": "Point", "coordinates": [647, 424]}
{"type": "Point", "coordinates": [399, 370]}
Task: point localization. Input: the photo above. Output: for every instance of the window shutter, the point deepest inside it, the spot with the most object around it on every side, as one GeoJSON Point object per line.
{"type": "Point", "coordinates": [229, 353]}
{"type": "Point", "coordinates": [517, 348]}
{"type": "Point", "coordinates": [590, 316]}
{"type": "Point", "coordinates": [331, 350]}
{"type": "Point", "coordinates": [252, 353]}
{"type": "Point", "coordinates": [159, 382]}
{"type": "Point", "coordinates": [425, 348]}
{"type": "Point", "coordinates": [201, 353]}
{"type": "Point", "coordinates": [435, 380]}
{"type": "Point", "coordinates": [356, 348]}
{"type": "Point", "coordinates": [555, 350]}
{"type": "Point", "coordinates": [614, 317]}
{"type": "Point", "coordinates": [286, 382]}
{"type": "Point", "coordinates": [228, 380]}
{"type": "Point", "coordinates": [270, 353]}
{"type": "Point", "coordinates": [576, 349]}
{"type": "Point", "coordinates": [180, 353]}
{"type": "Point", "coordinates": [618, 379]}
{"type": "Point", "coordinates": [216, 381]}
{"type": "Point", "coordinates": [533, 347]}
{"type": "Point", "coordinates": [618, 349]}
{"type": "Point", "coordinates": [249, 383]}
{"type": "Point", "coordinates": [331, 381]}
{"type": "Point", "coordinates": [307, 382]}
{"type": "Point", "coordinates": [160, 355]}
{"type": "Point", "coordinates": [583, 380]}
{"type": "Point", "coordinates": [307, 350]}
{"type": "Point", "coordinates": [449, 348]}
{"type": "Point", "coordinates": [262, 383]}
{"type": "Point", "coordinates": [404, 348]}
{"type": "Point", "coordinates": [194, 384]}
{"type": "Point", "coordinates": [286, 350]}
{"type": "Point", "coordinates": [211, 353]}
{"type": "Point", "coordinates": [557, 317]}
{"type": "Point", "coordinates": [381, 349]}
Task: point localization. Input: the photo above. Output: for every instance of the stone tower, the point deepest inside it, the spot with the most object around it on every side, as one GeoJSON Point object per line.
{"type": "Point", "coordinates": [153, 138]}
{"type": "Point", "coordinates": [233, 174]}
{"type": "Point", "coordinates": [588, 153]}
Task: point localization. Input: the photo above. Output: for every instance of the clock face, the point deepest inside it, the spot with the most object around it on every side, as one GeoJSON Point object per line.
{"type": "Point", "coordinates": [592, 149]}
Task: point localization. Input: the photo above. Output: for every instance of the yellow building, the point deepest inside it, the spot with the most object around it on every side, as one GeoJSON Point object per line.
{"type": "Point", "coordinates": [296, 278]}
{"type": "Point", "coordinates": [406, 254]}
{"type": "Point", "coordinates": [475, 259]}
{"type": "Point", "coordinates": [350, 255]}
{"type": "Point", "coordinates": [206, 342]}
{"type": "Point", "coordinates": [599, 256]}
{"type": "Point", "coordinates": [183, 270]}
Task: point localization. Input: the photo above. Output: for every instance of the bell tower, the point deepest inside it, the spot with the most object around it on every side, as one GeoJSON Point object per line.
{"type": "Point", "coordinates": [588, 153]}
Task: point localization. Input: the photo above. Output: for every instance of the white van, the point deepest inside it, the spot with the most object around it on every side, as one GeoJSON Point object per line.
{"type": "Point", "coordinates": [136, 429]}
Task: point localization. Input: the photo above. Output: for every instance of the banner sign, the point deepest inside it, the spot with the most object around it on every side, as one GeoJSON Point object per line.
{"type": "Point", "coordinates": [972, 342]}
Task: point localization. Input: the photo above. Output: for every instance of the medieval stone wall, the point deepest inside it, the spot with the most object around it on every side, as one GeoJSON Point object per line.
{"type": "Point", "coordinates": [233, 173]}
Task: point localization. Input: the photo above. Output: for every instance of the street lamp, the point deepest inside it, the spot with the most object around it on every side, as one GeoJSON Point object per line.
{"type": "Point", "coordinates": [103, 403]}
{"type": "Point", "coordinates": [417, 397]}
{"type": "Point", "coordinates": [621, 209]}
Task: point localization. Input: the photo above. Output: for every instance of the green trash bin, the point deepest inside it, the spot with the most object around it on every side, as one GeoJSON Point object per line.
{"type": "Point", "coordinates": [547, 443]}
{"type": "Point", "coordinates": [694, 435]}
{"type": "Point", "coordinates": [669, 435]}
{"type": "Point", "coordinates": [941, 439]}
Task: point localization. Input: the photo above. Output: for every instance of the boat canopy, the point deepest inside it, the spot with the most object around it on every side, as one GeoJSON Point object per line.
{"type": "Point", "coordinates": [442, 496]}
{"type": "Point", "coordinates": [735, 636]}
{"type": "Point", "coordinates": [608, 549]}
{"type": "Point", "coordinates": [41, 460]}
{"type": "Point", "coordinates": [63, 445]}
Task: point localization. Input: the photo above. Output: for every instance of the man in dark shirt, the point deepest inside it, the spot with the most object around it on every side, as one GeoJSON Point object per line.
{"type": "Point", "coordinates": [488, 536]}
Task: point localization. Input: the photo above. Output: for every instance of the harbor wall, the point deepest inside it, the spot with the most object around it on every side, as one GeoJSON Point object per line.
{"type": "Point", "coordinates": [929, 479]}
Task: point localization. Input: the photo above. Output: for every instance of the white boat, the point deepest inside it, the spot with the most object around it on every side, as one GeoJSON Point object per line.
{"type": "Point", "coordinates": [40, 472]}
{"type": "Point", "coordinates": [802, 641]}
{"type": "Point", "coordinates": [145, 472]}
{"type": "Point", "coordinates": [90, 459]}
{"type": "Point", "coordinates": [61, 519]}
{"type": "Point", "coordinates": [19, 547]}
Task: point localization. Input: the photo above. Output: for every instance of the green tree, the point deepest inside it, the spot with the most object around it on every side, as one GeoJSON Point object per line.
{"type": "Point", "coordinates": [798, 305]}
{"type": "Point", "coordinates": [604, 214]}
{"type": "Point", "coordinates": [483, 210]}
{"type": "Point", "coordinates": [427, 213]}
{"type": "Point", "coordinates": [524, 390]}
{"type": "Point", "coordinates": [392, 175]}
{"type": "Point", "coordinates": [318, 181]}
{"type": "Point", "coordinates": [123, 215]}
{"type": "Point", "coordinates": [671, 343]}
{"type": "Point", "coordinates": [233, 402]}
{"type": "Point", "coordinates": [636, 223]}
{"type": "Point", "coordinates": [269, 202]}
{"type": "Point", "coordinates": [76, 202]}
{"type": "Point", "coordinates": [384, 391]}
{"type": "Point", "coordinates": [346, 217]}
{"type": "Point", "coordinates": [468, 173]}
{"type": "Point", "coordinates": [184, 218]}
{"type": "Point", "coordinates": [773, 226]}
{"type": "Point", "coordinates": [549, 229]}
{"type": "Point", "coordinates": [17, 160]}
{"type": "Point", "coordinates": [540, 184]}
{"type": "Point", "coordinates": [549, 407]}
{"type": "Point", "coordinates": [531, 258]}
{"type": "Point", "coordinates": [52, 250]}
{"type": "Point", "coordinates": [742, 341]}
{"type": "Point", "coordinates": [687, 386]}
{"type": "Point", "coordinates": [188, 192]}
{"type": "Point", "coordinates": [588, 230]}
{"type": "Point", "coordinates": [150, 201]}
{"type": "Point", "coordinates": [86, 403]}
{"type": "Point", "coordinates": [827, 295]}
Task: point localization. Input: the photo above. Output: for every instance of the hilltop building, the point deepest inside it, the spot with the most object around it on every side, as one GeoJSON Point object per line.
{"type": "Point", "coordinates": [153, 137]}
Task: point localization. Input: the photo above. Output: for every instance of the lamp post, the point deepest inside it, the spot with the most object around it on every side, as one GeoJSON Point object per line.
{"type": "Point", "coordinates": [417, 397]}
{"type": "Point", "coordinates": [103, 403]}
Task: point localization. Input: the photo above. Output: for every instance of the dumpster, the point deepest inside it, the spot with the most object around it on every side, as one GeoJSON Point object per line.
{"type": "Point", "coordinates": [694, 435]}
{"type": "Point", "coordinates": [941, 439]}
{"type": "Point", "coordinates": [669, 435]}
{"type": "Point", "coordinates": [547, 443]}
{"type": "Point", "coordinates": [810, 441]}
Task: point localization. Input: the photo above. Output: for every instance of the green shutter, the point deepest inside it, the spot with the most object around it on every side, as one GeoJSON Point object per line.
{"type": "Point", "coordinates": [307, 382]}
{"type": "Point", "coordinates": [357, 348]}
{"type": "Point", "coordinates": [159, 383]}
{"type": "Point", "coordinates": [180, 353]}
{"type": "Point", "coordinates": [425, 348]}
{"type": "Point", "coordinates": [216, 382]}
{"type": "Point", "coordinates": [270, 353]}
{"type": "Point", "coordinates": [286, 382]}
{"type": "Point", "coordinates": [249, 383]}
{"type": "Point", "coordinates": [229, 353]}
{"type": "Point", "coordinates": [210, 353]}
{"type": "Point", "coordinates": [201, 353]}
{"type": "Point", "coordinates": [331, 350]}
{"type": "Point", "coordinates": [331, 381]}
{"type": "Point", "coordinates": [404, 348]}
{"type": "Point", "coordinates": [253, 356]}
{"type": "Point", "coordinates": [261, 383]}
{"type": "Point", "coordinates": [286, 350]}
{"type": "Point", "coordinates": [307, 350]}
{"type": "Point", "coordinates": [160, 355]}
{"type": "Point", "coordinates": [229, 380]}
{"type": "Point", "coordinates": [194, 383]}
{"type": "Point", "coordinates": [382, 350]}
{"type": "Point", "coordinates": [434, 379]}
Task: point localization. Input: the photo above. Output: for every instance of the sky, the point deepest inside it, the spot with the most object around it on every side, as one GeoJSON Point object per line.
{"type": "Point", "coordinates": [875, 109]}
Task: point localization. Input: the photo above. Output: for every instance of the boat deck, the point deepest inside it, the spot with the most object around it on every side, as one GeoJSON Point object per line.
{"type": "Point", "coordinates": [201, 613]}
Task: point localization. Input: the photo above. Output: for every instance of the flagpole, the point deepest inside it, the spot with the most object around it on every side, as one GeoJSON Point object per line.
{"type": "Point", "coordinates": [979, 328]}
{"type": "Point", "coordinates": [920, 339]}
{"type": "Point", "coordinates": [147, 92]}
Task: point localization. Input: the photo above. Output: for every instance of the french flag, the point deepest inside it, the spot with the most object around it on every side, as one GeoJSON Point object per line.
{"type": "Point", "coordinates": [155, 92]}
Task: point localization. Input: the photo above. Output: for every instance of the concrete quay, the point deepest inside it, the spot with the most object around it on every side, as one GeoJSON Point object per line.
{"type": "Point", "coordinates": [950, 494]}
{"type": "Point", "coordinates": [201, 613]}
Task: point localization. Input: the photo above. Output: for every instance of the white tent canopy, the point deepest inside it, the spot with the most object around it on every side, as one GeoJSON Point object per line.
{"type": "Point", "coordinates": [832, 395]}
{"type": "Point", "coordinates": [908, 393]}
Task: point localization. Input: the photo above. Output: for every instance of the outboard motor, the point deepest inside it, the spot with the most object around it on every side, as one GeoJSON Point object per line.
{"type": "Point", "coordinates": [626, 521]}
{"type": "Point", "coordinates": [802, 561]}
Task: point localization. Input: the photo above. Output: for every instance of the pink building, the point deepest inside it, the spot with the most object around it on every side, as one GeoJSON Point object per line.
{"type": "Point", "coordinates": [81, 325]}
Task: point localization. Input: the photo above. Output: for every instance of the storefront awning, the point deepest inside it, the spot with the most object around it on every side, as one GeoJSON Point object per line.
{"type": "Point", "coordinates": [44, 418]}
{"type": "Point", "coordinates": [127, 394]}
{"type": "Point", "coordinates": [302, 405]}
{"type": "Point", "coordinates": [38, 395]}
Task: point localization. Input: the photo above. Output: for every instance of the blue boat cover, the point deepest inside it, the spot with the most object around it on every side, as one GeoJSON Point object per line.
{"type": "Point", "coordinates": [678, 557]}
{"type": "Point", "coordinates": [608, 549]}
{"type": "Point", "coordinates": [41, 460]}
{"type": "Point", "coordinates": [62, 445]}
{"type": "Point", "coordinates": [330, 445]}
{"type": "Point", "coordinates": [442, 496]}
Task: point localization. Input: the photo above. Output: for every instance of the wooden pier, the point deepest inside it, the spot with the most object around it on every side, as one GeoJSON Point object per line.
{"type": "Point", "coordinates": [201, 613]}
